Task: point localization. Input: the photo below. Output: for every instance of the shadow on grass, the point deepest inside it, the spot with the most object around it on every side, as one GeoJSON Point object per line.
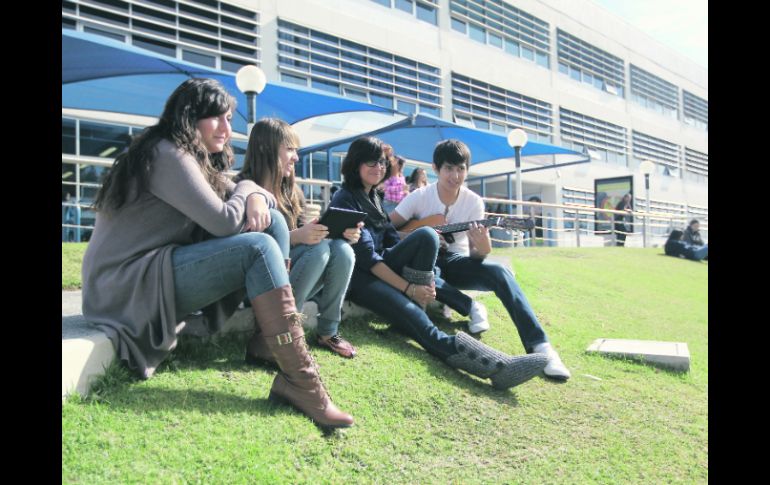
{"type": "Point", "coordinates": [225, 354]}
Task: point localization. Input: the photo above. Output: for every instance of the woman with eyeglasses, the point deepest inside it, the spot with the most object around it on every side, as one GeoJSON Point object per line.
{"type": "Point", "coordinates": [394, 278]}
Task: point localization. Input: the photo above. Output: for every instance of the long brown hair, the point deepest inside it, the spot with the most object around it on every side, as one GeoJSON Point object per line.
{"type": "Point", "coordinates": [261, 165]}
{"type": "Point", "coordinates": [193, 100]}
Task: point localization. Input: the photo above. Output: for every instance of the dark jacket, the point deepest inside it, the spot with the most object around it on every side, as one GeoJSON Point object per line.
{"type": "Point", "coordinates": [373, 242]}
{"type": "Point", "coordinates": [692, 237]}
{"type": "Point", "coordinates": [681, 249]}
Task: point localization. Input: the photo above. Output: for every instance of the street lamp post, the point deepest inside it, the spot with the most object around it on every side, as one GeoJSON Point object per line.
{"type": "Point", "coordinates": [646, 167]}
{"type": "Point", "coordinates": [517, 139]}
{"type": "Point", "coordinates": [251, 81]}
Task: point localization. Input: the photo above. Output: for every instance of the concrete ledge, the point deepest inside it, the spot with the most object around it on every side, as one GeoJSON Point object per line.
{"type": "Point", "coordinates": [672, 355]}
{"type": "Point", "coordinates": [87, 352]}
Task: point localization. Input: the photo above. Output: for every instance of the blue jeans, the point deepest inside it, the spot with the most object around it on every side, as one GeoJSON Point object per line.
{"type": "Point", "coordinates": [322, 271]}
{"type": "Point", "coordinates": [465, 273]}
{"type": "Point", "coordinates": [418, 251]}
{"type": "Point", "coordinates": [280, 232]}
{"type": "Point", "coordinates": [700, 253]}
{"type": "Point", "coordinates": [207, 271]}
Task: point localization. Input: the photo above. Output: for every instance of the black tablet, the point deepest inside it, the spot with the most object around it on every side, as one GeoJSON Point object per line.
{"type": "Point", "coordinates": [337, 220]}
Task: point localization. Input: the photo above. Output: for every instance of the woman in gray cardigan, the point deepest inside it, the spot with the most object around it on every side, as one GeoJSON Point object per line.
{"type": "Point", "coordinates": [174, 235]}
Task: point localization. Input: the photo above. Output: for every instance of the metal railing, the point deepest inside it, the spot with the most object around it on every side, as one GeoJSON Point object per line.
{"type": "Point", "coordinates": [582, 222]}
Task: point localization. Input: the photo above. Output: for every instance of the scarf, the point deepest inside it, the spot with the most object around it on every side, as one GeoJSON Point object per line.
{"type": "Point", "coordinates": [373, 207]}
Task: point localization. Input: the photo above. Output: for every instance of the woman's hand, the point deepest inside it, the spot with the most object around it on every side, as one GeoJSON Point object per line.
{"type": "Point", "coordinates": [311, 233]}
{"type": "Point", "coordinates": [422, 294]}
{"type": "Point", "coordinates": [257, 213]}
{"type": "Point", "coordinates": [353, 234]}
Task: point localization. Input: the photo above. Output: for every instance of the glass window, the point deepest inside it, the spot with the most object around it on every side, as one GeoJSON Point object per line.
{"type": "Point", "coordinates": [541, 59]}
{"type": "Point", "coordinates": [427, 14]}
{"type": "Point", "coordinates": [430, 110]}
{"type": "Point", "coordinates": [288, 78]}
{"type": "Point", "coordinates": [477, 33]}
{"type": "Point", "coordinates": [320, 167]}
{"type": "Point", "coordinates": [101, 140]}
{"type": "Point", "coordinates": [563, 68]}
{"type": "Point", "coordinates": [481, 124]}
{"type": "Point", "coordinates": [405, 5]}
{"type": "Point", "coordinates": [68, 173]}
{"type": "Point", "coordinates": [380, 100]}
{"type": "Point", "coordinates": [232, 65]}
{"type": "Point", "coordinates": [512, 47]}
{"type": "Point", "coordinates": [91, 173]}
{"type": "Point", "coordinates": [355, 94]}
{"type": "Point", "coordinates": [326, 86]}
{"type": "Point", "coordinates": [105, 33]}
{"type": "Point", "coordinates": [198, 58]}
{"type": "Point", "coordinates": [68, 136]}
{"type": "Point", "coordinates": [495, 40]}
{"type": "Point", "coordinates": [527, 53]}
{"type": "Point", "coordinates": [154, 45]}
{"type": "Point", "coordinates": [406, 107]}
{"type": "Point", "coordinates": [458, 25]}
{"type": "Point", "coordinates": [384, 3]}
{"type": "Point", "coordinates": [574, 74]}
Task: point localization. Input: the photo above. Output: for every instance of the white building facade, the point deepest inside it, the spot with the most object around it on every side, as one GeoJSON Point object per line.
{"type": "Point", "coordinates": [566, 71]}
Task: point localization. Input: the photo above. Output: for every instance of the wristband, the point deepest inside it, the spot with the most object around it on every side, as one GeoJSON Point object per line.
{"type": "Point", "coordinates": [406, 289]}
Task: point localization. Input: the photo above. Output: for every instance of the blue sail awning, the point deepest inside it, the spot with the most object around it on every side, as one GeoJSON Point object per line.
{"type": "Point", "coordinates": [416, 136]}
{"type": "Point", "coordinates": [106, 75]}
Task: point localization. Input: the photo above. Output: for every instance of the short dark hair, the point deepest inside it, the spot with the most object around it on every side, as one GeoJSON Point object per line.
{"type": "Point", "coordinates": [361, 150]}
{"type": "Point", "coordinates": [694, 221]}
{"type": "Point", "coordinates": [675, 235]}
{"type": "Point", "coordinates": [453, 152]}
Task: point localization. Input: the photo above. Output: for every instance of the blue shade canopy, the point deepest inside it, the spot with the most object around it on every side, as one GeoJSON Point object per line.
{"type": "Point", "coordinates": [416, 136]}
{"type": "Point", "coordinates": [106, 75]}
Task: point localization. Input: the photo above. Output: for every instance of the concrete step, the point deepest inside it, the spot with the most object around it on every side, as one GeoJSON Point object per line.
{"type": "Point", "coordinates": [672, 355]}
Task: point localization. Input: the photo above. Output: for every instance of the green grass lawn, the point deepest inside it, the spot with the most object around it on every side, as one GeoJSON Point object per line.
{"type": "Point", "coordinates": [204, 417]}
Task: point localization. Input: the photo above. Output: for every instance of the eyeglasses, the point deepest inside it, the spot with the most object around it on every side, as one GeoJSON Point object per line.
{"type": "Point", "coordinates": [382, 161]}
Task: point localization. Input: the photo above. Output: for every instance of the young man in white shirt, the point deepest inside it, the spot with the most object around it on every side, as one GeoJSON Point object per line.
{"type": "Point", "coordinates": [463, 264]}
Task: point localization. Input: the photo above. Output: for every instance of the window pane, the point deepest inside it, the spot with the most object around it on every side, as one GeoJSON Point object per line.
{"type": "Point", "coordinates": [512, 47]}
{"type": "Point", "coordinates": [458, 26]}
{"type": "Point", "coordinates": [155, 46]}
{"type": "Point", "coordinates": [405, 5]}
{"type": "Point", "coordinates": [326, 86]}
{"type": "Point", "coordinates": [91, 173]}
{"type": "Point", "coordinates": [288, 78]}
{"type": "Point", "coordinates": [380, 100]}
{"type": "Point", "coordinates": [68, 136]}
{"type": "Point", "coordinates": [320, 168]}
{"type": "Point", "coordinates": [477, 33]}
{"type": "Point", "coordinates": [406, 107]}
{"type": "Point", "coordinates": [99, 140]}
{"type": "Point", "coordinates": [199, 58]}
{"type": "Point", "coordinates": [427, 14]}
{"type": "Point", "coordinates": [495, 40]}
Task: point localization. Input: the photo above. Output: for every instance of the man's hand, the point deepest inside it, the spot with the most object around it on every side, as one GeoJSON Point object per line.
{"type": "Point", "coordinates": [479, 239]}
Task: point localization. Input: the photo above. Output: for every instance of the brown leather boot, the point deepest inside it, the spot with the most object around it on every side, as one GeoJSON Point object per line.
{"type": "Point", "coordinates": [257, 352]}
{"type": "Point", "coordinates": [298, 382]}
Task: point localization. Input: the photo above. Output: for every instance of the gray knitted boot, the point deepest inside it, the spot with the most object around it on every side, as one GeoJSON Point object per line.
{"type": "Point", "coordinates": [416, 276]}
{"type": "Point", "coordinates": [484, 361]}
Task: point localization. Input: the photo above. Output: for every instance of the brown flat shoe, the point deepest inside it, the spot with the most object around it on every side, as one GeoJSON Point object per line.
{"type": "Point", "coordinates": [338, 345]}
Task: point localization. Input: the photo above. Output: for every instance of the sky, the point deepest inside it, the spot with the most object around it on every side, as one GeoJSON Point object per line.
{"type": "Point", "coordinates": [679, 24]}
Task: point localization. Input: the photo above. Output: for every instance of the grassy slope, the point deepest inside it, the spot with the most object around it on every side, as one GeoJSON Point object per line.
{"type": "Point", "coordinates": [204, 416]}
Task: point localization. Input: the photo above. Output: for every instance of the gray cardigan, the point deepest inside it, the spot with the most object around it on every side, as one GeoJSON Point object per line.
{"type": "Point", "coordinates": [128, 282]}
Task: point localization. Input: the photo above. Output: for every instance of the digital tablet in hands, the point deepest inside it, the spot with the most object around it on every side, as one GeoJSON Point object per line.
{"type": "Point", "coordinates": [337, 220]}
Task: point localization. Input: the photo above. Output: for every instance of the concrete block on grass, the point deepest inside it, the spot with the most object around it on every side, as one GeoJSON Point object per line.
{"type": "Point", "coordinates": [671, 355]}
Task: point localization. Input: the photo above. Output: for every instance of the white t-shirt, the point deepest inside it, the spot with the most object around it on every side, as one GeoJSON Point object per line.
{"type": "Point", "coordinates": [425, 202]}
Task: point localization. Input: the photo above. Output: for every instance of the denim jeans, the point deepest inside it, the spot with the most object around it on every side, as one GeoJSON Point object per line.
{"type": "Point", "coordinates": [207, 271]}
{"type": "Point", "coordinates": [700, 253]}
{"type": "Point", "coordinates": [465, 273]}
{"type": "Point", "coordinates": [322, 272]}
{"type": "Point", "coordinates": [280, 232]}
{"type": "Point", "coordinates": [418, 251]}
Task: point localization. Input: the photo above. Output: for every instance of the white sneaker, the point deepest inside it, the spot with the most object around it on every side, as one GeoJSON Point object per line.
{"type": "Point", "coordinates": [310, 309]}
{"type": "Point", "coordinates": [478, 316]}
{"type": "Point", "coordinates": [555, 368]}
{"type": "Point", "coordinates": [446, 312]}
